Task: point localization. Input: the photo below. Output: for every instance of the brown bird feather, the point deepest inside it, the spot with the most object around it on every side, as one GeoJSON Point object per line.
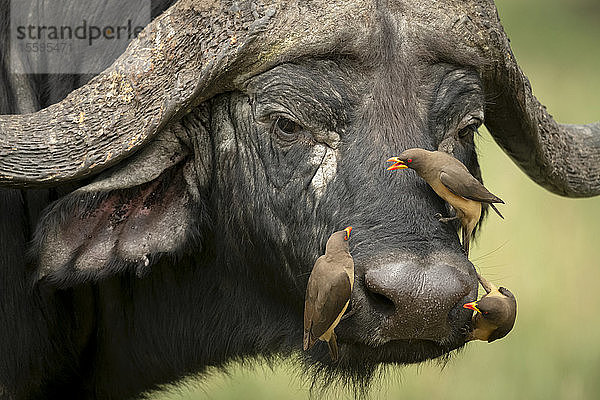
{"type": "Point", "coordinates": [453, 182]}
{"type": "Point", "coordinates": [328, 292]}
{"type": "Point", "coordinates": [495, 313]}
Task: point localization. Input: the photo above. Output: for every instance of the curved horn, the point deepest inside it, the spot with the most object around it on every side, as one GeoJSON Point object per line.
{"type": "Point", "coordinates": [194, 50]}
{"type": "Point", "coordinates": [564, 159]}
{"type": "Point", "coordinates": [176, 59]}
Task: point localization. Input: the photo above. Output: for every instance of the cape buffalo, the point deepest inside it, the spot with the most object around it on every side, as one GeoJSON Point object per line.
{"type": "Point", "coordinates": [163, 216]}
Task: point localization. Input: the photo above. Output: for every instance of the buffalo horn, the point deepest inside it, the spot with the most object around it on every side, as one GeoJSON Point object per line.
{"type": "Point", "coordinates": [564, 159]}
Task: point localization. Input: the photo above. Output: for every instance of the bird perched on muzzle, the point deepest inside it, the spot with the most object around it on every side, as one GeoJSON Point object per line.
{"type": "Point", "coordinates": [495, 313]}
{"type": "Point", "coordinates": [328, 292]}
{"type": "Point", "coordinates": [453, 182]}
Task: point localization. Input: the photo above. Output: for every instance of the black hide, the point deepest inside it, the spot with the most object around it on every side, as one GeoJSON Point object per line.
{"type": "Point", "coordinates": [206, 258]}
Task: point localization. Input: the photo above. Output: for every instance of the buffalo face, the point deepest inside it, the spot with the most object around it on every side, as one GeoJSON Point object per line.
{"type": "Point", "coordinates": [300, 153]}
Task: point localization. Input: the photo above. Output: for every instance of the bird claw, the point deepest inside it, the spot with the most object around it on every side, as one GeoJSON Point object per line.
{"type": "Point", "coordinates": [445, 220]}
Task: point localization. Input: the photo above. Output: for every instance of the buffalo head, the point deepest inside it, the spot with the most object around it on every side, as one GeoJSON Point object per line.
{"type": "Point", "coordinates": [218, 153]}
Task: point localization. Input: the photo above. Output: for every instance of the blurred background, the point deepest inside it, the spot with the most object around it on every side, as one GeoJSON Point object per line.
{"type": "Point", "coordinates": [547, 251]}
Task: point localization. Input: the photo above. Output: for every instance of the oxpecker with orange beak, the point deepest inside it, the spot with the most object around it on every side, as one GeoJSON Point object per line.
{"type": "Point", "coordinates": [328, 292]}
{"type": "Point", "coordinates": [453, 182]}
{"type": "Point", "coordinates": [495, 313]}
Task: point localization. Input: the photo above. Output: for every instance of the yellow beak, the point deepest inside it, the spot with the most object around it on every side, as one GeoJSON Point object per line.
{"type": "Point", "coordinates": [399, 164]}
{"type": "Point", "coordinates": [472, 306]}
{"type": "Point", "coordinates": [348, 230]}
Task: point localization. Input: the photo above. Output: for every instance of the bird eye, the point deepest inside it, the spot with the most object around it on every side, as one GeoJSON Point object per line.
{"type": "Point", "coordinates": [285, 129]}
{"type": "Point", "coordinates": [409, 160]}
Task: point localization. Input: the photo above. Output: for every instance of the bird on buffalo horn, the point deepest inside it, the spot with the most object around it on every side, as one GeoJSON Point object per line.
{"type": "Point", "coordinates": [495, 313]}
{"type": "Point", "coordinates": [328, 292]}
{"type": "Point", "coordinates": [453, 182]}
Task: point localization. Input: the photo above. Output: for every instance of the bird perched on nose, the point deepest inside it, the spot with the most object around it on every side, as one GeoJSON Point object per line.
{"type": "Point", "coordinates": [328, 292]}
{"type": "Point", "coordinates": [495, 313]}
{"type": "Point", "coordinates": [453, 182]}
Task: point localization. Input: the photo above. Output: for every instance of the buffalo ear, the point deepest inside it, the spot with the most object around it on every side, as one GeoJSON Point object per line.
{"type": "Point", "coordinates": [124, 221]}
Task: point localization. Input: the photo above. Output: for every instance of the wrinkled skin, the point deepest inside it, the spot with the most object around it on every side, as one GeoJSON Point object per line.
{"type": "Point", "coordinates": [262, 175]}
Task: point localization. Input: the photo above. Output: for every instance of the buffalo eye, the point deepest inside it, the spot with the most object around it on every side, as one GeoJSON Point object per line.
{"type": "Point", "coordinates": [286, 130]}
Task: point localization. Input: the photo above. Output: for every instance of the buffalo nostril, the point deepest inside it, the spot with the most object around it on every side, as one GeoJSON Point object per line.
{"type": "Point", "coordinates": [379, 301]}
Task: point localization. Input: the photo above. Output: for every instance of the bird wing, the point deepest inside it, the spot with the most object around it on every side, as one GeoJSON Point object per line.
{"type": "Point", "coordinates": [327, 293]}
{"type": "Point", "coordinates": [503, 330]}
{"type": "Point", "coordinates": [460, 182]}
{"type": "Point", "coordinates": [310, 298]}
{"type": "Point", "coordinates": [509, 309]}
{"type": "Point", "coordinates": [500, 332]}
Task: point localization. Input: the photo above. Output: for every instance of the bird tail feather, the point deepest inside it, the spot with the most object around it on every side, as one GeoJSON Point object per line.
{"type": "Point", "coordinates": [307, 342]}
{"type": "Point", "coordinates": [495, 209]}
{"type": "Point", "coordinates": [333, 347]}
{"type": "Point", "coordinates": [309, 339]}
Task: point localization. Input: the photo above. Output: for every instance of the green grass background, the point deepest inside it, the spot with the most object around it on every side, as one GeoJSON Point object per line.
{"type": "Point", "coordinates": [547, 251]}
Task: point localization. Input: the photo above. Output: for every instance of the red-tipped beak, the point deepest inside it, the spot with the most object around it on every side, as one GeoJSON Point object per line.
{"type": "Point", "coordinates": [398, 164]}
{"type": "Point", "coordinates": [348, 230]}
{"type": "Point", "coordinates": [472, 306]}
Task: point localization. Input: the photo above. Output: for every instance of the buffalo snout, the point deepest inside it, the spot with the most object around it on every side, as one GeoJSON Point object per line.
{"type": "Point", "coordinates": [410, 297]}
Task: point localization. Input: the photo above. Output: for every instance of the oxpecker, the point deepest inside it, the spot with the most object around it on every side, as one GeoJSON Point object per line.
{"type": "Point", "coordinates": [328, 292]}
{"type": "Point", "coordinates": [495, 313]}
{"type": "Point", "coordinates": [453, 182]}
